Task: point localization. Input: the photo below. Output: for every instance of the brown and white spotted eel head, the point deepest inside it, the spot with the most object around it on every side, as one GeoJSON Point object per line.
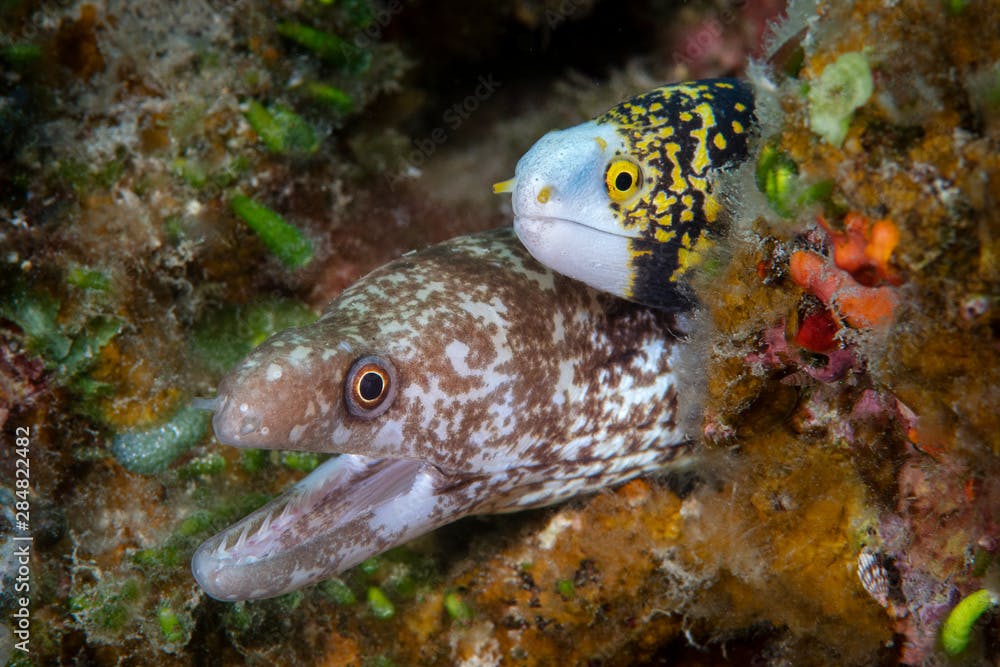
{"type": "Point", "coordinates": [463, 379]}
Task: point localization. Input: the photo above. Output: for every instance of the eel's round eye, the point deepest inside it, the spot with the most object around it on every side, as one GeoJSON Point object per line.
{"type": "Point", "coordinates": [371, 387]}
{"type": "Point", "coordinates": [622, 178]}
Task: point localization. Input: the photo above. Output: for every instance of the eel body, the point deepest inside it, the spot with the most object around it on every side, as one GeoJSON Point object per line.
{"type": "Point", "coordinates": [463, 379]}
{"type": "Point", "coordinates": [625, 202]}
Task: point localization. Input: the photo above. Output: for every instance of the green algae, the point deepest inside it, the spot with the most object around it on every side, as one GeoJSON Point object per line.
{"type": "Point", "coordinates": [107, 605]}
{"type": "Point", "coordinates": [379, 604]}
{"type": "Point", "coordinates": [197, 523]}
{"type": "Point", "coordinates": [170, 625]}
{"type": "Point", "coordinates": [167, 556]}
{"type": "Point", "coordinates": [402, 572]}
{"type": "Point", "coordinates": [402, 582]}
{"type": "Point", "coordinates": [238, 617]}
{"type": "Point", "coordinates": [359, 13]}
{"type": "Point", "coordinates": [281, 129]}
{"type": "Point", "coordinates": [85, 178]}
{"type": "Point", "coordinates": [109, 173]}
{"type": "Point", "coordinates": [844, 86]}
{"type": "Point", "coordinates": [37, 314]}
{"type": "Point", "coordinates": [281, 238]}
{"type": "Point", "coordinates": [201, 522]}
{"type": "Point", "coordinates": [230, 171]}
{"type": "Point", "coordinates": [290, 601]}
{"type": "Point", "coordinates": [336, 590]}
{"type": "Point", "coordinates": [327, 46]}
{"type": "Point", "coordinates": [87, 345]}
{"type": "Point", "coordinates": [955, 7]}
{"type": "Point", "coordinates": [192, 171]}
{"type": "Point", "coordinates": [458, 609]}
{"type": "Point", "coordinates": [88, 278]}
{"type": "Point", "coordinates": [21, 55]}
{"type": "Point", "coordinates": [957, 628]}
{"type": "Point", "coordinates": [68, 349]}
{"type": "Point", "coordinates": [203, 466]}
{"type": "Point", "coordinates": [329, 96]}
{"type": "Point", "coordinates": [565, 589]}
{"type": "Point", "coordinates": [149, 451]}
{"type": "Point", "coordinates": [371, 565]}
{"type": "Point", "coordinates": [301, 461]}
{"type": "Point", "coordinates": [254, 460]}
{"type": "Point", "coordinates": [223, 336]}
{"type": "Point", "coordinates": [777, 176]}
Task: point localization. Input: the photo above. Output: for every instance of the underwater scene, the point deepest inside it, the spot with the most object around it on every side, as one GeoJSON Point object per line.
{"type": "Point", "coordinates": [383, 333]}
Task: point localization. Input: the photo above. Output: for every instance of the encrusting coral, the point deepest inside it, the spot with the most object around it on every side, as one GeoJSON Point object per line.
{"type": "Point", "coordinates": [880, 349]}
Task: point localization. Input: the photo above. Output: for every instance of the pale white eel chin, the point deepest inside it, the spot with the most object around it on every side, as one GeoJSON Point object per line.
{"type": "Point", "coordinates": [463, 379]}
{"type": "Point", "coordinates": [583, 253]}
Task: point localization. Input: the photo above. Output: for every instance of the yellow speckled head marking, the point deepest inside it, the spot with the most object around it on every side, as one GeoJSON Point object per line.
{"type": "Point", "coordinates": [677, 135]}
{"type": "Point", "coordinates": [624, 202]}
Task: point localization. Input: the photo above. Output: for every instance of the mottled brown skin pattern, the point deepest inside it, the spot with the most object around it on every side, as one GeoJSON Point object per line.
{"type": "Point", "coordinates": [515, 388]}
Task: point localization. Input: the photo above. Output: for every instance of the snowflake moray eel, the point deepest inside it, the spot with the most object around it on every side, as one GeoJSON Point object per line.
{"type": "Point", "coordinates": [468, 378]}
{"type": "Point", "coordinates": [625, 202]}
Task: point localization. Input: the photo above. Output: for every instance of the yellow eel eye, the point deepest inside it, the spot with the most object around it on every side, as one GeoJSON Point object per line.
{"type": "Point", "coordinates": [623, 179]}
{"type": "Point", "coordinates": [371, 386]}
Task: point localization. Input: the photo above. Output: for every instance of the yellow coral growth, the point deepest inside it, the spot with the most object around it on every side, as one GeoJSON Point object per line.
{"type": "Point", "coordinates": [138, 401]}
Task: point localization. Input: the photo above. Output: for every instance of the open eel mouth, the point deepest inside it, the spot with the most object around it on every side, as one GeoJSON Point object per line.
{"type": "Point", "coordinates": [348, 509]}
{"type": "Point", "coordinates": [354, 507]}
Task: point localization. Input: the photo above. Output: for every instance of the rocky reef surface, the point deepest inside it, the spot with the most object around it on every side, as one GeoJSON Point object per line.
{"type": "Point", "coordinates": [180, 180]}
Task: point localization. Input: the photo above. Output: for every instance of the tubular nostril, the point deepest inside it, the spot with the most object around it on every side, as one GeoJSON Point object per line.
{"type": "Point", "coordinates": [249, 425]}
{"type": "Point", "coordinates": [210, 404]}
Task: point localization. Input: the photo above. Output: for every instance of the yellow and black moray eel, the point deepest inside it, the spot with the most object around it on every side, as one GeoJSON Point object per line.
{"type": "Point", "coordinates": [469, 378]}
{"type": "Point", "coordinates": [624, 202]}
{"type": "Point", "coordinates": [463, 379]}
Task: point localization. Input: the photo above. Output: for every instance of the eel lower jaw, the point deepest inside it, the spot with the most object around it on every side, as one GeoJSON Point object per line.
{"type": "Point", "coordinates": [354, 507]}
{"type": "Point", "coordinates": [574, 249]}
{"type": "Point", "coordinates": [347, 510]}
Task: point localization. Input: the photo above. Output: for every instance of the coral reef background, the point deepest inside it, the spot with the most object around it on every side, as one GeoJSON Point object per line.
{"type": "Point", "coordinates": [179, 180]}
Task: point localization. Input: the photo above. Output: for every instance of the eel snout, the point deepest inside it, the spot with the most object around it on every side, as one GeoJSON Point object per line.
{"type": "Point", "coordinates": [280, 396]}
